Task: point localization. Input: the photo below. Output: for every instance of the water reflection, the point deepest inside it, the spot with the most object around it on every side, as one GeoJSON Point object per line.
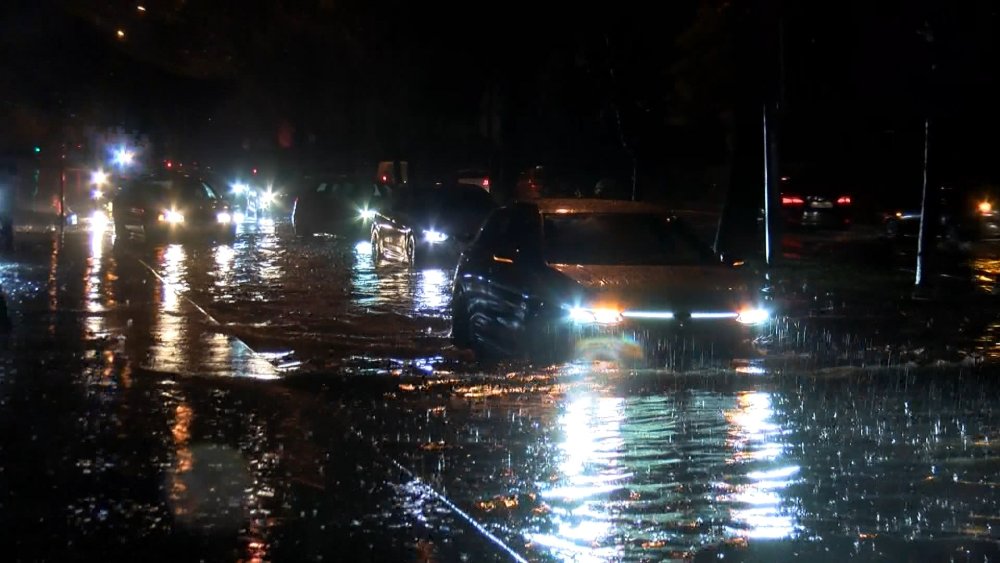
{"type": "Point", "coordinates": [224, 256]}
{"type": "Point", "coordinates": [986, 273]}
{"type": "Point", "coordinates": [384, 286]}
{"type": "Point", "coordinates": [652, 477]}
{"type": "Point", "coordinates": [93, 288]}
{"type": "Point", "coordinates": [53, 282]}
{"type": "Point", "coordinates": [185, 338]}
{"type": "Point", "coordinates": [433, 292]}
{"type": "Point", "coordinates": [169, 327]}
{"type": "Point", "coordinates": [757, 441]}
{"type": "Point", "coordinates": [589, 469]}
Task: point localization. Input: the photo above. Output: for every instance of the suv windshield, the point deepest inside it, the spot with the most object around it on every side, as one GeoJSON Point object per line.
{"type": "Point", "coordinates": [177, 189]}
{"type": "Point", "coordinates": [620, 239]}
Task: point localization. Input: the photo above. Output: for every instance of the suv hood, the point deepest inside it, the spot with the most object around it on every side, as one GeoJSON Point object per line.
{"type": "Point", "coordinates": [674, 288]}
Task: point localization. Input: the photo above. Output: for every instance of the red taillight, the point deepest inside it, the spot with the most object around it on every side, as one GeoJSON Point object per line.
{"type": "Point", "coordinates": [844, 200]}
{"type": "Point", "coordinates": [792, 200]}
{"type": "Point", "coordinates": [486, 182]}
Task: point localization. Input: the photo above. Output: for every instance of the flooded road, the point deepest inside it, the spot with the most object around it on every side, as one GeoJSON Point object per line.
{"type": "Point", "coordinates": [283, 399]}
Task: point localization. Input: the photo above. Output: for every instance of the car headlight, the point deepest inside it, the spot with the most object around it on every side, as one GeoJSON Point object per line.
{"type": "Point", "coordinates": [98, 219]}
{"type": "Point", "coordinates": [171, 216]}
{"type": "Point", "coordinates": [369, 214]}
{"type": "Point", "coordinates": [434, 237]}
{"type": "Point", "coordinates": [599, 315]}
{"type": "Point", "coordinates": [753, 316]}
{"type": "Point", "coordinates": [224, 218]}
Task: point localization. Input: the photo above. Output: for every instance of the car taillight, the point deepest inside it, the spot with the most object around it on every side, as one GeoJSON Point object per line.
{"type": "Point", "coordinates": [844, 200]}
{"type": "Point", "coordinates": [792, 200]}
{"type": "Point", "coordinates": [486, 182]}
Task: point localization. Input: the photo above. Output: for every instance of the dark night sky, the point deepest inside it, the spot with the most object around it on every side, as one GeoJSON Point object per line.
{"type": "Point", "coordinates": [378, 79]}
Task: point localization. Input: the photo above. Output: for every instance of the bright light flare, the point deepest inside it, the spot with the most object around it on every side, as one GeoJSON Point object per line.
{"type": "Point", "coordinates": [600, 315]}
{"type": "Point", "coordinates": [239, 217]}
{"type": "Point", "coordinates": [268, 197]}
{"type": "Point", "coordinates": [240, 188]}
{"type": "Point", "coordinates": [367, 214]}
{"type": "Point", "coordinates": [985, 207]}
{"type": "Point", "coordinates": [224, 218]}
{"type": "Point", "coordinates": [753, 316]}
{"type": "Point", "coordinates": [99, 220]}
{"type": "Point", "coordinates": [98, 178]}
{"type": "Point", "coordinates": [171, 216]}
{"type": "Point", "coordinates": [123, 157]}
{"type": "Point", "coordinates": [434, 237]}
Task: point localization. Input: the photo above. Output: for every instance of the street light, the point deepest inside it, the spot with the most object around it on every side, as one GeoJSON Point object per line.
{"type": "Point", "coordinates": [123, 157]}
{"type": "Point", "coordinates": [98, 177]}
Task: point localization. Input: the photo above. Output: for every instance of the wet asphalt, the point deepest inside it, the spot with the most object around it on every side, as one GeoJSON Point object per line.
{"type": "Point", "coordinates": [282, 399]}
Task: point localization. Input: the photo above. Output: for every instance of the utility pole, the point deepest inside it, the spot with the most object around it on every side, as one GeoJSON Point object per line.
{"type": "Point", "coordinates": [62, 190]}
{"type": "Point", "coordinates": [925, 237]}
{"type": "Point", "coordinates": [754, 177]}
{"type": "Point", "coordinates": [929, 212]}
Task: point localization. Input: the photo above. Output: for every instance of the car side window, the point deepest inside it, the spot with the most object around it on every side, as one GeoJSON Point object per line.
{"type": "Point", "coordinates": [526, 231]}
{"type": "Point", "coordinates": [209, 192]}
{"type": "Point", "coordinates": [494, 231]}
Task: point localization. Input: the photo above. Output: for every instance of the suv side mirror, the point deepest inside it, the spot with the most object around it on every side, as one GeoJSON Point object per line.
{"type": "Point", "coordinates": [730, 260]}
{"type": "Point", "coordinates": [505, 254]}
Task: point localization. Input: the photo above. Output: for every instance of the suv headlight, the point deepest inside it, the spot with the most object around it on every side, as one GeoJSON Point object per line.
{"type": "Point", "coordinates": [171, 216]}
{"type": "Point", "coordinates": [753, 316]}
{"type": "Point", "coordinates": [599, 315]}
{"type": "Point", "coordinates": [434, 237]}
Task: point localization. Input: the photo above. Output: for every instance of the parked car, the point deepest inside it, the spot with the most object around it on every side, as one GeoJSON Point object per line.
{"type": "Point", "coordinates": [428, 221]}
{"type": "Point", "coordinates": [968, 211]}
{"type": "Point", "coordinates": [543, 277]}
{"type": "Point", "coordinates": [171, 205]}
{"type": "Point", "coordinates": [816, 202]}
{"type": "Point", "coordinates": [337, 205]}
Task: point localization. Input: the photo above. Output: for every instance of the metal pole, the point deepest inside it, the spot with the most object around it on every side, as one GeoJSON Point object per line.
{"type": "Point", "coordinates": [923, 239]}
{"type": "Point", "coordinates": [62, 193]}
{"type": "Point", "coordinates": [767, 195]}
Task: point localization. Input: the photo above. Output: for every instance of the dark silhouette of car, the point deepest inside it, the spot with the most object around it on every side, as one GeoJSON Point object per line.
{"type": "Point", "coordinates": [545, 278]}
{"type": "Point", "coordinates": [425, 222]}
{"type": "Point", "coordinates": [163, 207]}
{"type": "Point", "coordinates": [968, 211]}
{"type": "Point", "coordinates": [816, 202]}
{"type": "Point", "coordinates": [339, 204]}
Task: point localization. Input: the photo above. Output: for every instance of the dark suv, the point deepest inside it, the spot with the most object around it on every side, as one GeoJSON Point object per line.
{"type": "Point", "coordinates": [163, 207]}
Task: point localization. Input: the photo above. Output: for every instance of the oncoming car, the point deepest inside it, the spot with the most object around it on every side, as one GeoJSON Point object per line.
{"type": "Point", "coordinates": [427, 222]}
{"type": "Point", "coordinates": [598, 278]}
{"type": "Point", "coordinates": [162, 207]}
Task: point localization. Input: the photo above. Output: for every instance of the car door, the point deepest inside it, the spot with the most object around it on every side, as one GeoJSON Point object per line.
{"type": "Point", "coordinates": [512, 274]}
{"type": "Point", "coordinates": [472, 279]}
{"type": "Point", "coordinates": [389, 229]}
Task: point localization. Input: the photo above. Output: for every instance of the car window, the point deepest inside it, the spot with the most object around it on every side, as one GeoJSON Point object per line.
{"type": "Point", "coordinates": [620, 239]}
{"type": "Point", "coordinates": [321, 188]}
{"type": "Point", "coordinates": [495, 230]}
{"type": "Point", "coordinates": [209, 192]}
